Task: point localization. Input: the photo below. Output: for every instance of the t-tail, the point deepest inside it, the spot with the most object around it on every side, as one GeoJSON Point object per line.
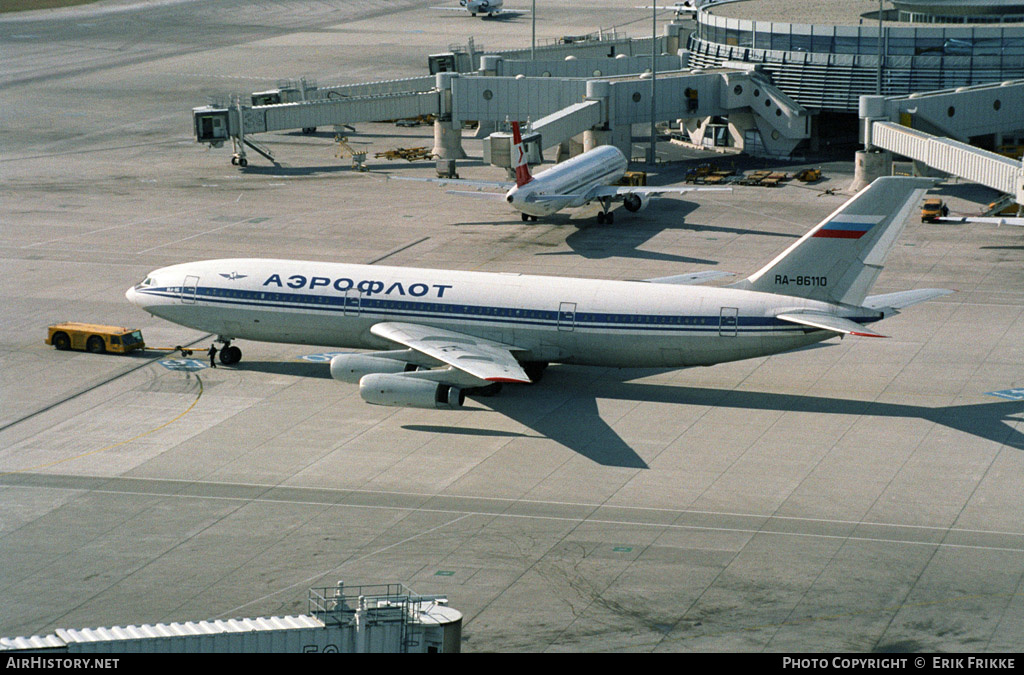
{"type": "Point", "coordinates": [840, 258]}
{"type": "Point", "coordinates": [519, 157]}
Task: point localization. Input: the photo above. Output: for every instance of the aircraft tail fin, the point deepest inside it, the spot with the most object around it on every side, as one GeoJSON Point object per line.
{"type": "Point", "coordinates": [519, 157]}
{"type": "Point", "coordinates": [840, 258]}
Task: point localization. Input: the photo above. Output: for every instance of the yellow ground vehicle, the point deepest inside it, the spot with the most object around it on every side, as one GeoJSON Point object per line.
{"type": "Point", "coordinates": [932, 210]}
{"type": "Point", "coordinates": [1008, 210]}
{"type": "Point", "coordinates": [95, 338]}
{"type": "Point", "coordinates": [409, 154]}
{"type": "Point", "coordinates": [633, 178]}
{"type": "Point", "coordinates": [808, 175]}
{"type": "Point", "coordinates": [1011, 151]}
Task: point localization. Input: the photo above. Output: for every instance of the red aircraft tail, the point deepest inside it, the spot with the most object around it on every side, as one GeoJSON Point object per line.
{"type": "Point", "coordinates": [519, 157]}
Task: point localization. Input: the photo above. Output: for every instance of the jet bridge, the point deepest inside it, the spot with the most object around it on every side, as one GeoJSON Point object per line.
{"type": "Point", "coordinates": [608, 107]}
{"type": "Point", "coordinates": [925, 121]}
{"type": "Point", "coordinates": [960, 113]}
{"type": "Point", "coordinates": [600, 90]}
{"type": "Point", "coordinates": [216, 124]}
{"type": "Point", "coordinates": [953, 157]}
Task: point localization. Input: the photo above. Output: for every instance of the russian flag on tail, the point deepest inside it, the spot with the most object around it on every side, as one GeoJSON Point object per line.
{"type": "Point", "coordinates": [847, 227]}
{"type": "Point", "coordinates": [519, 157]}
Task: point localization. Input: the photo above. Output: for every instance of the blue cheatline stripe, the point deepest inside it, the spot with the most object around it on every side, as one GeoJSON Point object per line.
{"type": "Point", "coordinates": [408, 310]}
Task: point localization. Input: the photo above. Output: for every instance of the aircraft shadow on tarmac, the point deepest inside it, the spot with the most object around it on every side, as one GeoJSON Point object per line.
{"type": "Point", "coordinates": [576, 423]}
{"type": "Point", "coordinates": [626, 239]}
{"type": "Point", "coordinates": [295, 368]}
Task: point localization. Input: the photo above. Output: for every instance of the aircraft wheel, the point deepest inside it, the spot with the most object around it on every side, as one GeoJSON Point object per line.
{"type": "Point", "coordinates": [61, 341]}
{"type": "Point", "coordinates": [609, 218]}
{"type": "Point", "coordinates": [229, 356]}
{"type": "Point", "coordinates": [525, 217]}
{"type": "Point", "coordinates": [95, 345]}
{"type": "Point", "coordinates": [600, 218]}
{"type": "Point", "coordinates": [242, 161]}
{"type": "Point", "coordinates": [234, 161]}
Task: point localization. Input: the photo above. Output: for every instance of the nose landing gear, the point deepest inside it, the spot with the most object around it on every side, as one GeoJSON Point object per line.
{"type": "Point", "coordinates": [229, 354]}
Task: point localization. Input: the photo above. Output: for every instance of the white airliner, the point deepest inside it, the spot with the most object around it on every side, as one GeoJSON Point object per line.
{"type": "Point", "coordinates": [443, 333]}
{"type": "Point", "coordinates": [485, 7]}
{"type": "Point", "coordinates": [687, 8]}
{"type": "Point", "coordinates": [587, 177]}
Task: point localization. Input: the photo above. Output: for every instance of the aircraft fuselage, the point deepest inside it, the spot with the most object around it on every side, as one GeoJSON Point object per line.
{"type": "Point", "coordinates": [552, 319]}
{"type": "Point", "coordinates": [572, 180]}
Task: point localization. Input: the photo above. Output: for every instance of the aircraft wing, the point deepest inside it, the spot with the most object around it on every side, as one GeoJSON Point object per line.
{"type": "Point", "coordinates": [992, 220]}
{"type": "Point", "coordinates": [836, 324]}
{"type": "Point", "coordinates": [479, 184]}
{"type": "Point", "coordinates": [485, 360]}
{"type": "Point", "coordinates": [621, 191]}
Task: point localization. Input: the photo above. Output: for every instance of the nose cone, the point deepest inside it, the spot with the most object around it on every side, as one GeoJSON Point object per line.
{"type": "Point", "coordinates": [132, 296]}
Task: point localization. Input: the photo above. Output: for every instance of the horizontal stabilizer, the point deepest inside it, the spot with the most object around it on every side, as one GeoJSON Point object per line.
{"type": "Point", "coordinates": [691, 278]}
{"type": "Point", "coordinates": [493, 196]}
{"type": "Point", "coordinates": [901, 299]}
{"type": "Point", "coordinates": [836, 324]}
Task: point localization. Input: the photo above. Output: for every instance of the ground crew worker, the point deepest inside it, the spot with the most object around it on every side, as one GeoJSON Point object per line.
{"type": "Point", "coordinates": [213, 353]}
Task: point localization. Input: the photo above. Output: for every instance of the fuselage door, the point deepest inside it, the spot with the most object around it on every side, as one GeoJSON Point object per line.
{"type": "Point", "coordinates": [353, 298]}
{"type": "Point", "coordinates": [566, 316]}
{"type": "Point", "coordinates": [188, 289]}
{"type": "Point", "coordinates": [728, 321]}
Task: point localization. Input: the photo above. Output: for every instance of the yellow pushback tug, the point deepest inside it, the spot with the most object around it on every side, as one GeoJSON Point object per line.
{"type": "Point", "coordinates": [95, 338]}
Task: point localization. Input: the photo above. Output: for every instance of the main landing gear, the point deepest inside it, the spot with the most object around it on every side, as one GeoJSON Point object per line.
{"type": "Point", "coordinates": [229, 355]}
{"type": "Point", "coordinates": [604, 215]}
{"type": "Point", "coordinates": [528, 217]}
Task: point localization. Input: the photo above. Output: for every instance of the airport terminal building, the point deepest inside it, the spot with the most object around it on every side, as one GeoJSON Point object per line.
{"type": "Point", "coordinates": [826, 55]}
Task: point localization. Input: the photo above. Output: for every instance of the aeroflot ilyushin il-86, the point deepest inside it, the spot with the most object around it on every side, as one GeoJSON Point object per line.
{"type": "Point", "coordinates": [587, 177]}
{"type": "Point", "coordinates": [443, 334]}
{"type": "Point", "coordinates": [485, 7]}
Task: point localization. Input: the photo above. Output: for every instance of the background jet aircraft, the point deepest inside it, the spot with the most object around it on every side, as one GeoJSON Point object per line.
{"type": "Point", "coordinates": [587, 177]}
{"type": "Point", "coordinates": [687, 8]}
{"type": "Point", "coordinates": [443, 333]}
{"type": "Point", "coordinates": [486, 7]}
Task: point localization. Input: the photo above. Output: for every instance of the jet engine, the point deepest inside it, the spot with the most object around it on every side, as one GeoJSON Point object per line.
{"type": "Point", "coordinates": [635, 202]}
{"type": "Point", "coordinates": [404, 391]}
{"type": "Point", "coordinates": [352, 367]}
